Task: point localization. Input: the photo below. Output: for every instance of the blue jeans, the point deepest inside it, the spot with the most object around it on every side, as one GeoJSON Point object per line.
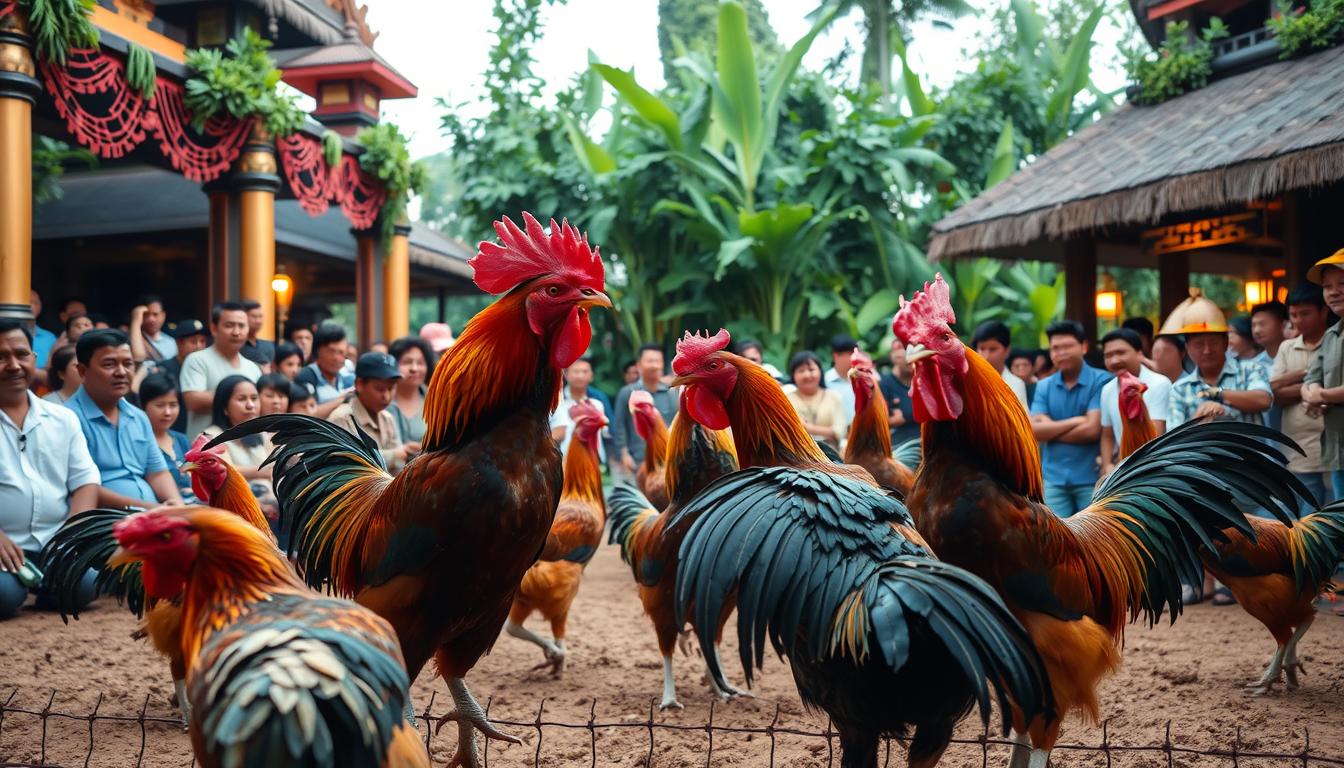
{"type": "Point", "coordinates": [13, 594]}
{"type": "Point", "coordinates": [1067, 500]}
{"type": "Point", "coordinates": [1337, 478]}
{"type": "Point", "coordinates": [1315, 481]}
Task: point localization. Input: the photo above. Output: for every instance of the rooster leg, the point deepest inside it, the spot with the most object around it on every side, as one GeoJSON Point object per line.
{"type": "Point", "coordinates": [469, 717]}
{"type": "Point", "coordinates": [1040, 758]}
{"type": "Point", "coordinates": [684, 642]}
{"type": "Point", "coordinates": [1291, 664]}
{"type": "Point", "coordinates": [1266, 683]}
{"type": "Point", "coordinates": [183, 706]}
{"type": "Point", "coordinates": [555, 653]}
{"type": "Point", "coordinates": [725, 692]}
{"type": "Point", "coordinates": [1021, 751]}
{"type": "Point", "coordinates": [669, 687]}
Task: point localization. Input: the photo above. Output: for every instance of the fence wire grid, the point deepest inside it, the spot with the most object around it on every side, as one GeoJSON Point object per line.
{"type": "Point", "coordinates": [1167, 751]}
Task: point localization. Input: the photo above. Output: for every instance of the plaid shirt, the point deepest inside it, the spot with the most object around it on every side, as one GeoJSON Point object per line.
{"type": "Point", "coordinates": [1237, 376]}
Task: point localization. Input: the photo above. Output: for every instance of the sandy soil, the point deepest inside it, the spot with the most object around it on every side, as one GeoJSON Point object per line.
{"type": "Point", "coordinates": [1190, 675]}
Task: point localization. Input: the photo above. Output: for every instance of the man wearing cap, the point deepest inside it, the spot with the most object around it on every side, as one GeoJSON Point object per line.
{"type": "Point", "coordinates": [188, 336]}
{"type": "Point", "coordinates": [1219, 387]}
{"type": "Point", "coordinates": [837, 376]}
{"type": "Point", "coordinates": [376, 375]}
{"type": "Point", "coordinates": [1323, 386]}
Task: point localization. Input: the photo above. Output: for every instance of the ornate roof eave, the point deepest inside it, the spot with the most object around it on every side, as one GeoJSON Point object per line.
{"type": "Point", "coordinates": [322, 20]}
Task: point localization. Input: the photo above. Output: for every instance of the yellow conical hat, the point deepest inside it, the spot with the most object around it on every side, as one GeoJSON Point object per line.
{"type": "Point", "coordinates": [1196, 314]}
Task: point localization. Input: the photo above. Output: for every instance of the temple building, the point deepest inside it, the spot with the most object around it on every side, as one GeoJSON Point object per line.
{"type": "Point", "coordinates": [200, 217]}
{"type": "Point", "coordinates": [1241, 177]}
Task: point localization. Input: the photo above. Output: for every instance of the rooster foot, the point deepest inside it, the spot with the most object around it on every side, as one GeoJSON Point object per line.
{"type": "Point", "coordinates": [684, 642]}
{"type": "Point", "coordinates": [465, 756]}
{"type": "Point", "coordinates": [1290, 670]}
{"type": "Point", "coordinates": [670, 704]}
{"type": "Point", "coordinates": [183, 706]}
{"type": "Point", "coordinates": [727, 693]}
{"type": "Point", "coordinates": [555, 659]}
{"type": "Point", "coordinates": [1262, 687]}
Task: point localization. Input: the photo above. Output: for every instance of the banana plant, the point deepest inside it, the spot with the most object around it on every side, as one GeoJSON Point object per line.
{"type": "Point", "coordinates": [1035, 291]}
{"type": "Point", "coordinates": [1068, 71]}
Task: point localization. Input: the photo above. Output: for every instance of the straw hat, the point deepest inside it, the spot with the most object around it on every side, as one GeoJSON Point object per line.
{"type": "Point", "coordinates": [1335, 260]}
{"type": "Point", "coordinates": [1196, 314]}
{"type": "Point", "coordinates": [439, 335]}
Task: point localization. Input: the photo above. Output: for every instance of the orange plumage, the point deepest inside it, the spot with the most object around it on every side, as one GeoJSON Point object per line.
{"type": "Point", "coordinates": [869, 442]}
{"type": "Point", "coordinates": [1136, 428]}
{"type": "Point", "coordinates": [550, 585]}
{"type": "Point", "coordinates": [650, 477]}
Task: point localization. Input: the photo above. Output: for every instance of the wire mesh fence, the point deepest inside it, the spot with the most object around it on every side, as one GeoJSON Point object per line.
{"type": "Point", "coordinates": [138, 736]}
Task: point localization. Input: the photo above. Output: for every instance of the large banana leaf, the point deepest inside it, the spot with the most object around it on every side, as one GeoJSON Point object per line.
{"type": "Point", "coordinates": [1005, 157]}
{"type": "Point", "coordinates": [1076, 73]}
{"type": "Point", "coordinates": [646, 105]}
{"type": "Point", "coordinates": [737, 99]}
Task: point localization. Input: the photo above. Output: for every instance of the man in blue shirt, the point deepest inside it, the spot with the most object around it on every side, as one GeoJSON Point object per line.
{"type": "Point", "coordinates": [131, 466]}
{"type": "Point", "coordinates": [43, 340]}
{"type": "Point", "coordinates": [1066, 419]}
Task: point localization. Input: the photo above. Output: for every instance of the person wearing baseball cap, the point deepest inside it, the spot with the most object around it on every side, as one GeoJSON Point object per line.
{"type": "Point", "coordinates": [376, 377]}
{"type": "Point", "coordinates": [189, 335]}
{"type": "Point", "coordinates": [1323, 386]}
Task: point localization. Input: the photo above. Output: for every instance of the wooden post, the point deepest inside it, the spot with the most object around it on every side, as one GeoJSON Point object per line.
{"type": "Point", "coordinates": [1173, 277]}
{"type": "Point", "coordinates": [367, 317]}
{"type": "Point", "coordinates": [221, 245]}
{"type": "Point", "coordinates": [397, 285]}
{"type": "Point", "coordinates": [257, 181]}
{"type": "Point", "coordinates": [19, 87]}
{"type": "Point", "coordinates": [1080, 284]}
{"type": "Point", "coordinates": [1294, 260]}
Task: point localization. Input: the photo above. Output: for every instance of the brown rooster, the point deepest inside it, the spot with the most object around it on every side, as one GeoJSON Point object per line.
{"type": "Point", "coordinates": [440, 549]}
{"type": "Point", "coordinates": [214, 481]}
{"type": "Point", "coordinates": [869, 442]}
{"type": "Point", "coordinates": [651, 429]}
{"type": "Point", "coordinates": [550, 585]}
{"type": "Point", "coordinates": [1276, 574]}
{"type": "Point", "coordinates": [1074, 583]}
{"type": "Point", "coordinates": [696, 456]}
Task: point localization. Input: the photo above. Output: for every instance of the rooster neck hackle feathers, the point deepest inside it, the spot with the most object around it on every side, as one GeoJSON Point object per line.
{"type": "Point", "coordinates": [1137, 432]}
{"type": "Point", "coordinates": [869, 433]}
{"type": "Point", "coordinates": [583, 473]}
{"type": "Point", "coordinates": [696, 456]}
{"type": "Point", "coordinates": [994, 427]}
{"type": "Point", "coordinates": [766, 429]}
{"type": "Point", "coordinates": [496, 366]}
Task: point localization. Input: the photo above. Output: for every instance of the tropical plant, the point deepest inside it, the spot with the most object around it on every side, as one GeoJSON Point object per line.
{"type": "Point", "coordinates": [59, 25]}
{"type": "Point", "coordinates": [386, 157]}
{"type": "Point", "coordinates": [1303, 30]}
{"type": "Point", "coordinates": [141, 73]}
{"type": "Point", "coordinates": [242, 84]}
{"type": "Point", "coordinates": [1182, 64]}
{"type": "Point", "coordinates": [333, 146]}
{"type": "Point", "coordinates": [51, 158]}
{"type": "Point", "coordinates": [689, 26]}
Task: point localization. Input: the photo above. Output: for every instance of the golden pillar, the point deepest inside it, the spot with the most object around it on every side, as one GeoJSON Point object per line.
{"type": "Point", "coordinates": [19, 87]}
{"type": "Point", "coordinates": [397, 284]}
{"type": "Point", "coordinates": [256, 180]}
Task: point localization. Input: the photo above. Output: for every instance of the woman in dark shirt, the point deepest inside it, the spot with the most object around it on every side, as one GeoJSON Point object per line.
{"type": "Point", "coordinates": [161, 402]}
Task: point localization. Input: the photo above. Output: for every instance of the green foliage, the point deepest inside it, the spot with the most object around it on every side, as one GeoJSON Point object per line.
{"type": "Point", "coordinates": [1027, 296]}
{"type": "Point", "coordinates": [242, 84]}
{"type": "Point", "coordinates": [140, 70]}
{"type": "Point", "coordinates": [387, 158]}
{"type": "Point", "coordinates": [59, 25]}
{"type": "Point", "coordinates": [1182, 64]}
{"type": "Point", "coordinates": [51, 158]}
{"type": "Point", "coordinates": [1303, 30]}
{"type": "Point", "coordinates": [687, 26]}
{"type": "Point", "coordinates": [333, 146]}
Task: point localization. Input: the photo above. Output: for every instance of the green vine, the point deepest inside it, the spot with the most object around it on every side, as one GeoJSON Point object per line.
{"type": "Point", "coordinates": [332, 148]}
{"type": "Point", "coordinates": [140, 70]}
{"type": "Point", "coordinates": [51, 158]}
{"type": "Point", "coordinates": [1303, 30]}
{"type": "Point", "coordinates": [243, 85]}
{"type": "Point", "coordinates": [1182, 64]}
{"type": "Point", "coordinates": [59, 25]}
{"type": "Point", "coordinates": [387, 158]}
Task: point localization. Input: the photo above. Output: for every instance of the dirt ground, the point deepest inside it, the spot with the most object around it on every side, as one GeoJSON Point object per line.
{"type": "Point", "coordinates": [1190, 675]}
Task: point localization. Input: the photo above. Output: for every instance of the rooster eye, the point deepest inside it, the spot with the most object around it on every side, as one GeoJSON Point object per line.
{"type": "Point", "coordinates": [166, 536]}
{"type": "Point", "coordinates": [553, 290]}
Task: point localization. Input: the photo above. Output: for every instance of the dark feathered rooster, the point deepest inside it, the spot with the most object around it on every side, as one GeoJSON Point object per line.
{"type": "Point", "coordinates": [440, 550]}
{"type": "Point", "coordinates": [650, 477]}
{"type": "Point", "coordinates": [276, 674]}
{"type": "Point", "coordinates": [1074, 583]}
{"type": "Point", "coordinates": [696, 456]}
{"type": "Point", "coordinates": [879, 634]}
{"type": "Point", "coordinates": [550, 585]}
{"type": "Point", "coordinates": [869, 442]}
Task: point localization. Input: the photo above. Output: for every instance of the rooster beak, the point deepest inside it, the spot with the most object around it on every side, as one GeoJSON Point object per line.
{"type": "Point", "coordinates": [122, 557]}
{"type": "Point", "coordinates": [854, 373]}
{"type": "Point", "coordinates": [595, 299]}
{"type": "Point", "coordinates": [916, 352]}
{"type": "Point", "coordinates": [681, 381]}
{"type": "Point", "coordinates": [188, 466]}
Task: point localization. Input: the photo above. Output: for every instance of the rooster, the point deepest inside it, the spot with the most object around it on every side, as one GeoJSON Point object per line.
{"type": "Point", "coordinates": [879, 634]}
{"type": "Point", "coordinates": [869, 442]}
{"type": "Point", "coordinates": [440, 549]}
{"type": "Point", "coordinates": [276, 674]}
{"type": "Point", "coordinates": [696, 457]}
{"type": "Point", "coordinates": [651, 429]}
{"type": "Point", "coordinates": [550, 585]}
{"type": "Point", "coordinates": [1276, 574]}
{"type": "Point", "coordinates": [1074, 582]}
{"type": "Point", "coordinates": [75, 548]}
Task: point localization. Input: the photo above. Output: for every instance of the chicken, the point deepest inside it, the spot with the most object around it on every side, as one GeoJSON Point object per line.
{"type": "Point", "coordinates": [1075, 582]}
{"type": "Point", "coordinates": [550, 586]}
{"type": "Point", "coordinates": [67, 557]}
{"type": "Point", "coordinates": [869, 443]}
{"type": "Point", "coordinates": [696, 457]}
{"type": "Point", "coordinates": [276, 674]}
{"type": "Point", "coordinates": [879, 634]}
{"type": "Point", "coordinates": [440, 549]}
{"type": "Point", "coordinates": [651, 429]}
{"type": "Point", "coordinates": [1276, 574]}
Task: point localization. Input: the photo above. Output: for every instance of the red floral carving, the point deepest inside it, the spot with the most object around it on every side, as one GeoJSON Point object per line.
{"type": "Point", "coordinates": [360, 195]}
{"type": "Point", "coordinates": [7, 7]}
{"type": "Point", "coordinates": [197, 160]}
{"type": "Point", "coordinates": [305, 168]}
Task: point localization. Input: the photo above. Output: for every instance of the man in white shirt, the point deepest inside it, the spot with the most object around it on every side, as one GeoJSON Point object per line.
{"type": "Point", "coordinates": [202, 371]}
{"type": "Point", "coordinates": [993, 341]}
{"type": "Point", "coordinates": [46, 472]}
{"type": "Point", "coordinates": [577, 378]}
{"type": "Point", "coordinates": [836, 378]}
{"type": "Point", "coordinates": [1122, 350]}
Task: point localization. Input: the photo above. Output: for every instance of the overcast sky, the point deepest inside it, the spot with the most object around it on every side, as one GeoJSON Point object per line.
{"type": "Point", "coordinates": [443, 48]}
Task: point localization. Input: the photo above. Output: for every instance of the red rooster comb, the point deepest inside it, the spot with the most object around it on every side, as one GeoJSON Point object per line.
{"type": "Point", "coordinates": [930, 309]}
{"type": "Point", "coordinates": [143, 525]}
{"type": "Point", "coordinates": [692, 348]}
{"type": "Point", "coordinates": [522, 254]}
{"type": "Point", "coordinates": [640, 397]}
{"type": "Point", "coordinates": [585, 410]}
{"type": "Point", "coordinates": [1126, 380]}
{"type": "Point", "coordinates": [860, 359]}
{"type": "Point", "coordinates": [197, 449]}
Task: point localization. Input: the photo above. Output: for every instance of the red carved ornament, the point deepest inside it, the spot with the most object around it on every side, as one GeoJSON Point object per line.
{"type": "Point", "coordinates": [317, 185]}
